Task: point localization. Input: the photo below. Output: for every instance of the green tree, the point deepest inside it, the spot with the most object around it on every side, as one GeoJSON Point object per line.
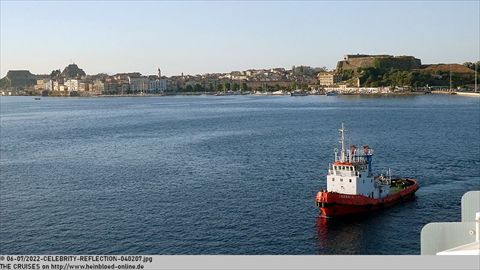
{"type": "Point", "coordinates": [470, 65]}
{"type": "Point", "coordinates": [198, 87]}
{"type": "Point", "coordinates": [210, 87]}
{"type": "Point", "coordinates": [219, 87]}
{"type": "Point", "coordinates": [55, 74]}
{"type": "Point", "coordinates": [227, 86]}
{"type": "Point", "coordinates": [244, 86]}
{"type": "Point", "coordinates": [5, 83]}
{"type": "Point", "coordinates": [236, 87]}
{"type": "Point", "coordinates": [293, 85]}
{"type": "Point", "coordinates": [189, 88]}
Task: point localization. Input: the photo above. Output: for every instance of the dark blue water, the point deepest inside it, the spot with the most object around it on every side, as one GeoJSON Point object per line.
{"type": "Point", "coordinates": [222, 175]}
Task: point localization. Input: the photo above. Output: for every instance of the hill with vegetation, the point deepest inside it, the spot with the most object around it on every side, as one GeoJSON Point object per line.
{"type": "Point", "coordinates": [18, 79]}
{"type": "Point", "coordinates": [72, 71]}
{"type": "Point", "coordinates": [383, 73]}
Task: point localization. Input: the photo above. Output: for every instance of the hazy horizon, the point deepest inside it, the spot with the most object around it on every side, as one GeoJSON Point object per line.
{"type": "Point", "coordinates": [216, 37]}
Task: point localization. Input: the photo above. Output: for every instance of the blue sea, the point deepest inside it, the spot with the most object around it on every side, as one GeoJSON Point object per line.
{"type": "Point", "coordinates": [223, 175]}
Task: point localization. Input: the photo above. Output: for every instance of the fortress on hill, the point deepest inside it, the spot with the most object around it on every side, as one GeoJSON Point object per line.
{"type": "Point", "coordinates": [354, 61]}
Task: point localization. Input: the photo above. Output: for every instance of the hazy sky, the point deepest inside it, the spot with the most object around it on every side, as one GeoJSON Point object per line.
{"type": "Point", "coordinates": [206, 37]}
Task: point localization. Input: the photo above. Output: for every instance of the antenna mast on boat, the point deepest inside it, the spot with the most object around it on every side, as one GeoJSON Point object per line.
{"type": "Point", "coordinates": [342, 142]}
{"type": "Point", "coordinates": [450, 77]}
{"type": "Point", "coordinates": [476, 76]}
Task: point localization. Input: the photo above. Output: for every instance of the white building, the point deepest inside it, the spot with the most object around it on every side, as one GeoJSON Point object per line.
{"type": "Point", "coordinates": [72, 85]}
{"type": "Point", "coordinates": [157, 85]}
{"type": "Point", "coordinates": [98, 86]}
{"type": "Point", "coordinates": [48, 85]}
{"type": "Point", "coordinates": [140, 84]}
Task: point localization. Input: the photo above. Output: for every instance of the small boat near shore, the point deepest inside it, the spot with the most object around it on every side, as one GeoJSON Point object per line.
{"type": "Point", "coordinates": [298, 93]}
{"type": "Point", "coordinates": [331, 93]}
{"type": "Point", "coordinates": [352, 188]}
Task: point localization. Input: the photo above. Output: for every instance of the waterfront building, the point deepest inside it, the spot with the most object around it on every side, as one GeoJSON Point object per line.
{"type": "Point", "coordinates": [48, 85]}
{"type": "Point", "coordinates": [329, 78]}
{"type": "Point", "coordinates": [84, 87]}
{"type": "Point", "coordinates": [72, 85]}
{"type": "Point", "coordinates": [56, 85]}
{"type": "Point", "coordinates": [157, 85]}
{"type": "Point", "coordinates": [40, 85]}
{"type": "Point", "coordinates": [110, 88]}
{"type": "Point", "coordinates": [138, 84]}
{"type": "Point", "coordinates": [98, 86]}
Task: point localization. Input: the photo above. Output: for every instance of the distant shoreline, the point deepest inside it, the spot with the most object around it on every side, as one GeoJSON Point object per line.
{"type": "Point", "coordinates": [469, 94]}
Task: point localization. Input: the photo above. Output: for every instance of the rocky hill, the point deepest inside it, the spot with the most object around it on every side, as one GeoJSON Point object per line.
{"type": "Point", "coordinates": [18, 79]}
{"type": "Point", "coordinates": [455, 68]}
{"type": "Point", "coordinates": [72, 71]}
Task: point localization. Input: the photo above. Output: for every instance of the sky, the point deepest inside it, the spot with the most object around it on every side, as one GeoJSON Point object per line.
{"type": "Point", "coordinates": [206, 37]}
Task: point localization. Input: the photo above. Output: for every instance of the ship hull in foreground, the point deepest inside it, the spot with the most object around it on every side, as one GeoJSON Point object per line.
{"type": "Point", "coordinates": [334, 204]}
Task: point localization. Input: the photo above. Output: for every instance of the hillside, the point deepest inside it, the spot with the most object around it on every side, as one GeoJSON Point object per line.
{"type": "Point", "coordinates": [18, 79]}
{"type": "Point", "coordinates": [73, 71]}
{"type": "Point", "coordinates": [456, 68]}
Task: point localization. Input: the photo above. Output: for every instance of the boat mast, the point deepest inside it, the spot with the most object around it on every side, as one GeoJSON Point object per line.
{"type": "Point", "coordinates": [476, 76]}
{"type": "Point", "coordinates": [342, 142]}
{"type": "Point", "coordinates": [450, 78]}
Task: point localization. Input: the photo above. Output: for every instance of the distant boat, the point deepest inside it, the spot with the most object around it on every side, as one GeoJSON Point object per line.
{"type": "Point", "coordinates": [298, 93]}
{"type": "Point", "coordinates": [258, 93]}
{"type": "Point", "coordinates": [331, 93]}
{"type": "Point", "coordinates": [37, 98]}
{"type": "Point", "coordinates": [278, 93]}
{"type": "Point", "coordinates": [227, 93]}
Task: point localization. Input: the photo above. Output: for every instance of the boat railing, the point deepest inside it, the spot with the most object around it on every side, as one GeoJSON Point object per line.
{"type": "Point", "coordinates": [342, 173]}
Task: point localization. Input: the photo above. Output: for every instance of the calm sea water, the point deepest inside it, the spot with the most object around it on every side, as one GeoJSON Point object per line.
{"type": "Point", "coordinates": [222, 175]}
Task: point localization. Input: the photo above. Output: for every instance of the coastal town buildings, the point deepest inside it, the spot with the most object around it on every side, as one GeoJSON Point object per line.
{"type": "Point", "coordinates": [402, 73]}
{"type": "Point", "coordinates": [40, 85]}
{"type": "Point", "coordinates": [329, 78]}
{"type": "Point", "coordinates": [72, 85]}
{"type": "Point", "coordinates": [98, 87]}
{"type": "Point", "coordinates": [138, 84]}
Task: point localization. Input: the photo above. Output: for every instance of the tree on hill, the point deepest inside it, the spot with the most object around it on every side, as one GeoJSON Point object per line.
{"type": "Point", "coordinates": [73, 71]}
{"type": "Point", "coordinates": [198, 87]}
{"type": "Point", "coordinates": [293, 85]}
{"type": "Point", "coordinates": [55, 74]}
{"type": "Point", "coordinates": [5, 83]}
{"type": "Point", "coordinates": [471, 65]}
{"type": "Point", "coordinates": [227, 86]}
{"type": "Point", "coordinates": [236, 87]}
{"type": "Point", "coordinates": [244, 86]}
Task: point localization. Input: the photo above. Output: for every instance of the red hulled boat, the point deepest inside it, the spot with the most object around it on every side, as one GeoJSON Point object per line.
{"type": "Point", "coordinates": [352, 189]}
